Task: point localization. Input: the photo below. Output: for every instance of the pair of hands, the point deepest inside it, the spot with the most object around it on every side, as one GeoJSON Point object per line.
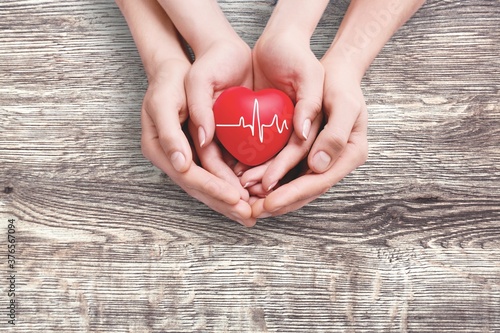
{"type": "Point", "coordinates": [330, 121]}
{"type": "Point", "coordinates": [325, 93]}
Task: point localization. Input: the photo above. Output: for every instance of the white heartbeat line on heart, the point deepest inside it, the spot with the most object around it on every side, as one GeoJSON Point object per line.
{"type": "Point", "coordinates": [256, 118]}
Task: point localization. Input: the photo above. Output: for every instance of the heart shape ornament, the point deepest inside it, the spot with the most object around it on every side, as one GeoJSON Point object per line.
{"type": "Point", "coordinates": [253, 126]}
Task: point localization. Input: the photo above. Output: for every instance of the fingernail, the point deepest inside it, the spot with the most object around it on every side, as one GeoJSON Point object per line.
{"type": "Point", "coordinates": [264, 215]}
{"type": "Point", "coordinates": [306, 128]}
{"type": "Point", "coordinates": [201, 136]}
{"type": "Point", "coordinates": [248, 184]}
{"type": "Point", "coordinates": [321, 161]}
{"type": "Point", "coordinates": [178, 160]}
{"type": "Point", "coordinates": [239, 173]}
{"type": "Point", "coordinates": [272, 186]}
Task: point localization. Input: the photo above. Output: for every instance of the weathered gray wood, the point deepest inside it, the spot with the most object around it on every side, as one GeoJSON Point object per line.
{"type": "Point", "coordinates": [410, 242]}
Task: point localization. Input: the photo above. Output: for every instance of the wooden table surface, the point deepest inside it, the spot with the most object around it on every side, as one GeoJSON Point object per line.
{"type": "Point", "coordinates": [105, 242]}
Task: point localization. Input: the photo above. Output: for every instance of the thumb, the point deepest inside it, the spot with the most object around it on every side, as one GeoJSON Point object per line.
{"type": "Point", "coordinates": [200, 95]}
{"type": "Point", "coordinates": [309, 96]}
{"type": "Point", "coordinates": [171, 137]}
{"type": "Point", "coordinates": [332, 140]}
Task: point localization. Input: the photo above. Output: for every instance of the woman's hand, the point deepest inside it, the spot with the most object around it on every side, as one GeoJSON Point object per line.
{"type": "Point", "coordinates": [342, 144]}
{"type": "Point", "coordinates": [340, 147]}
{"type": "Point", "coordinates": [166, 145]}
{"type": "Point", "coordinates": [164, 111]}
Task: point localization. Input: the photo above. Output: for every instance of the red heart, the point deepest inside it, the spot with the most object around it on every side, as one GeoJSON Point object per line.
{"type": "Point", "coordinates": [253, 126]}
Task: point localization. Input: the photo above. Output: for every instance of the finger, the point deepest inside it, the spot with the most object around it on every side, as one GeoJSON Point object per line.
{"type": "Point", "coordinates": [287, 209]}
{"type": "Point", "coordinates": [200, 97]}
{"type": "Point", "coordinates": [241, 212]}
{"type": "Point", "coordinates": [212, 191]}
{"type": "Point", "coordinates": [170, 135]}
{"type": "Point", "coordinates": [211, 159]}
{"type": "Point", "coordinates": [331, 142]}
{"type": "Point", "coordinates": [295, 151]}
{"type": "Point", "coordinates": [201, 181]}
{"type": "Point", "coordinates": [229, 159]}
{"type": "Point", "coordinates": [252, 200]}
{"type": "Point", "coordinates": [254, 175]}
{"type": "Point", "coordinates": [309, 96]}
{"type": "Point", "coordinates": [305, 188]}
{"type": "Point", "coordinates": [209, 194]}
{"type": "Point", "coordinates": [149, 137]}
{"type": "Point", "coordinates": [258, 191]}
{"type": "Point", "coordinates": [245, 210]}
{"type": "Point", "coordinates": [258, 210]}
{"type": "Point", "coordinates": [300, 189]}
{"type": "Point", "coordinates": [240, 168]}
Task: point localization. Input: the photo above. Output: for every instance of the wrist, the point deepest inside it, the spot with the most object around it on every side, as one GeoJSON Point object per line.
{"type": "Point", "coordinates": [156, 38]}
{"type": "Point", "coordinates": [299, 16]}
{"type": "Point", "coordinates": [340, 60]}
{"type": "Point", "coordinates": [201, 23]}
{"type": "Point", "coordinates": [202, 43]}
{"type": "Point", "coordinates": [366, 27]}
{"type": "Point", "coordinates": [162, 67]}
{"type": "Point", "coordinates": [231, 43]}
{"type": "Point", "coordinates": [277, 36]}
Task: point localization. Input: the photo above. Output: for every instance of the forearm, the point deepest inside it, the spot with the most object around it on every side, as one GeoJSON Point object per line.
{"type": "Point", "coordinates": [201, 23]}
{"type": "Point", "coordinates": [365, 29]}
{"type": "Point", "coordinates": [300, 15]}
{"type": "Point", "coordinates": [154, 34]}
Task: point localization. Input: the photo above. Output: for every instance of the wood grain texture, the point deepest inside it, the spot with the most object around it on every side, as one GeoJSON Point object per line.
{"type": "Point", "coordinates": [409, 242]}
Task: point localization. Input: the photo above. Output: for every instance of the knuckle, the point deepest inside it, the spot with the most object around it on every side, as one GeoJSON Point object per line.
{"type": "Point", "coordinates": [335, 142]}
{"type": "Point", "coordinates": [194, 111]}
{"type": "Point", "coordinates": [167, 138]}
{"type": "Point", "coordinates": [212, 188]}
{"type": "Point", "coordinates": [316, 105]}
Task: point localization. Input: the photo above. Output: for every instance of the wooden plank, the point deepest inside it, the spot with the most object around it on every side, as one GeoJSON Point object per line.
{"type": "Point", "coordinates": [166, 286]}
